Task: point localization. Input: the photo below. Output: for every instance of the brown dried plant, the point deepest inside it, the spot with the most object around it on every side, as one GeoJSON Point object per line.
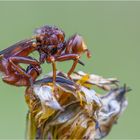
{"type": "Point", "coordinates": [75, 110]}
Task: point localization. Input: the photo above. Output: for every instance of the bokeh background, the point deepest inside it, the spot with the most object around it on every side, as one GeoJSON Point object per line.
{"type": "Point", "coordinates": [112, 33]}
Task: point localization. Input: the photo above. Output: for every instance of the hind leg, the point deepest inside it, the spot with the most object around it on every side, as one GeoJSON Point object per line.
{"type": "Point", "coordinates": [33, 72]}
{"type": "Point", "coordinates": [10, 79]}
{"type": "Point", "coordinates": [21, 80]}
{"type": "Point", "coordinates": [19, 71]}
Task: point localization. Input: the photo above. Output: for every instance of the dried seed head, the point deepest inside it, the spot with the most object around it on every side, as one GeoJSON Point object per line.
{"type": "Point", "coordinates": [71, 112]}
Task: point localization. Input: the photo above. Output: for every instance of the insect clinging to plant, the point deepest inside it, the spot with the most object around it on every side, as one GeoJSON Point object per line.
{"type": "Point", "coordinates": [50, 43]}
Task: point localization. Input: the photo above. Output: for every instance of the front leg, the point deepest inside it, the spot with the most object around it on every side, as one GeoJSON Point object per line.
{"type": "Point", "coordinates": [65, 57]}
{"type": "Point", "coordinates": [15, 60]}
{"type": "Point", "coordinates": [53, 59]}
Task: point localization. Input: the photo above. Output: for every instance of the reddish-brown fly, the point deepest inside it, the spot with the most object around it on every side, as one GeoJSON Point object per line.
{"type": "Point", "coordinates": [50, 42]}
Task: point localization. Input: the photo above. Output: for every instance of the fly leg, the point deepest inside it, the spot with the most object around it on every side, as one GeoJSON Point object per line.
{"type": "Point", "coordinates": [14, 62]}
{"type": "Point", "coordinates": [73, 57]}
{"type": "Point", "coordinates": [65, 57]}
{"type": "Point", "coordinates": [52, 60]}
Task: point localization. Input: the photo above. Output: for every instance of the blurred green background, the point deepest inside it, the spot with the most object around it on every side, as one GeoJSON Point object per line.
{"type": "Point", "coordinates": [112, 33]}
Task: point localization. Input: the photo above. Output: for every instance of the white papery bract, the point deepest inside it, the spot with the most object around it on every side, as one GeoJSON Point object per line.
{"type": "Point", "coordinates": [91, 96]}
{"type": "Point", "coordinates": [46, 96]}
